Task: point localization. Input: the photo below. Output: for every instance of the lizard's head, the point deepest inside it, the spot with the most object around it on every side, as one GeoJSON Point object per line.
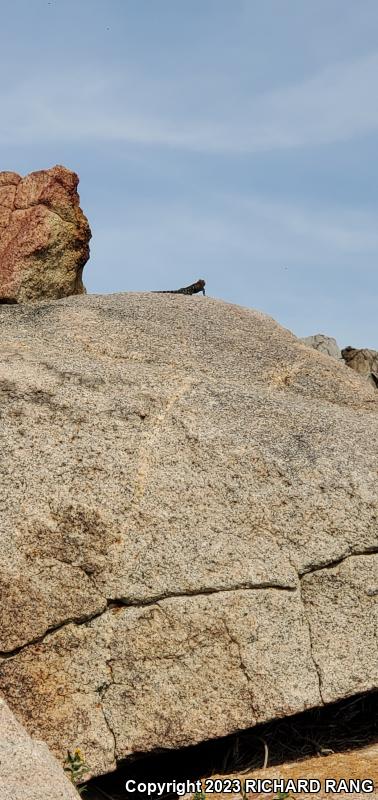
{"type": "Point", "coordinates": [201, 282]}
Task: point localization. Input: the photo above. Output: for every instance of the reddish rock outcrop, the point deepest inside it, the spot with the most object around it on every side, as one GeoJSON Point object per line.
{"type": "Point", "coordinates": [44, 236]}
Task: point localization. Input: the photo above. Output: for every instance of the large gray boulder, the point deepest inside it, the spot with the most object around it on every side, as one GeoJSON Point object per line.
{"type": "Point", "coordinates": [188, 522]}
{"type": "Point", "coordinates": [28, 771]}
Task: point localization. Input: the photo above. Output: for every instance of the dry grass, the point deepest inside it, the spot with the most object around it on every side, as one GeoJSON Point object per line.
{"type": "Point", "coordinates": [347, 725]}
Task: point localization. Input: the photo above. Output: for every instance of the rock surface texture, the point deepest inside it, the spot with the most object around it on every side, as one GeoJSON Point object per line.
{"type": "Point", "coordinates": [325, 344]}
{"type": "Point", "coordinates": [188, 523]}
{"type": "Point", "coordinates": [364, 361]}
{"type": "Point", "coordinates": [44, 236]}
{"type": "Point", "coordinates": [28, 771]}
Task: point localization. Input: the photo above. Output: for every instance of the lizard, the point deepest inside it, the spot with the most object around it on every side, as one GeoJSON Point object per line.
{"type": "Point", "coordinates": [194, 288]}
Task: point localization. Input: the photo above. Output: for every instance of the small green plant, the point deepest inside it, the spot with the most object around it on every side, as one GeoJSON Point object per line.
{"type": "Point", "coordinates": [76, 767]}
{"type": "Point", "coordinates": [283, 795]}
{"type": "Point", "coordinates": [199, 796]}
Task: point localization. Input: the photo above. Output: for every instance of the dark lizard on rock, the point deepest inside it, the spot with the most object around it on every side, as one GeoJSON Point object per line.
{"type": "Point", "coordinates": [194, 288]}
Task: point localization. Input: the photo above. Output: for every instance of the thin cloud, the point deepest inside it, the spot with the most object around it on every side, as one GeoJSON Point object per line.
{"type": "Point", "coordinates": [335, 105]}
{"type": "Point", "coordinates": [242, 230]}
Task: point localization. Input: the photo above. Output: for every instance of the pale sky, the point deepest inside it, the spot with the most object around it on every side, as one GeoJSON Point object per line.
{"type": "Point", "coordinates": [234, 140]}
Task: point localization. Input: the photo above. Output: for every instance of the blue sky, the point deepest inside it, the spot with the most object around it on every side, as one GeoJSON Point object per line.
{"type": "Point", "coordinates": [234, 140]}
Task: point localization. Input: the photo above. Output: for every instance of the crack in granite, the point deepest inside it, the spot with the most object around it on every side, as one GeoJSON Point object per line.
{"type": "Point", "coordinates": [119, 602]}
{"type": "Point", "coordinates": [307, 622]}
{"type": "Point", "coordinates": [243, 667]}
{"type": "Point", "coordinates": [372, 550]}
{"type": "Point", "coordinates": [311, 643]}
{"type": "Point", "coordinates": [101, 690]}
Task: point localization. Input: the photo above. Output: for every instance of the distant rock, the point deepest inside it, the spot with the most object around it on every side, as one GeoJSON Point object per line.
{"type": "Point", "coordinates": [363, 361]}
{"type": "Point", "coordinates": [28, 771]}
{"type": "Point", "coordinates": [325, 344]}
{"type": "Point", "coordinates": [44, 236]}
